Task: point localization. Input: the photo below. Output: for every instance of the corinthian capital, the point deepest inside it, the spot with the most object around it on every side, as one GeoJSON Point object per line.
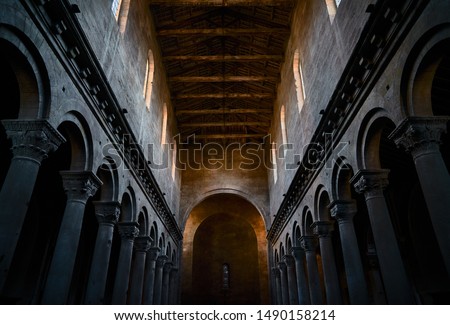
{"type": "Point", "coordinates": [367, 180]}
{"type": "Point", "coordinates": [80, 185]}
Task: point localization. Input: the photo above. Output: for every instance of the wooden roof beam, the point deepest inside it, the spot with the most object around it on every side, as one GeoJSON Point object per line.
{"type": "Point", "coordinates": [221, 124]}
{"type": "Point", "coordinates": [224, 58]}
{"type": "Point", "coordinates": [222, 31]}
{"type": "Point", "coordinates": [221, 3]}
{"type": "Point", "coordinates": [226, 136]}
{"type": "Point", "coordinates": [224, 79]}
{"type": "Point", "coordinates": [223, 111]}
{"type": "Point", "coordinates": [226, 95]}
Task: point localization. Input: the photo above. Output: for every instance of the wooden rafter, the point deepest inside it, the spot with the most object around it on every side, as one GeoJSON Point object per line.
{"type": "Point", "coordinates": [222, 31]}
{"type": "Point", "coordinates": [221, 3]}
{"type": "Point", "coordinates": [227, 136]}
{"type": "Point", "coordinates": [223, 111]}
{"type": "Point", "coordinates": [221, 124]}
{"type": "Point", "coordinates": [225, 95]}
{"type": "Point", "coordinates": [224, 79]}
{"type": "Point", "coordinates": [224, 58]}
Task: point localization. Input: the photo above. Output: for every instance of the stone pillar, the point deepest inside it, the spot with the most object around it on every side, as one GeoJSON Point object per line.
{"type": "Point", "coordinates": [128, 232]}
{"type": "Point", "coordinates": [324, 229]}
{"type": "Point", "coordinates": [372, 183]}
{"type": "Point", "coordinates": [32, 141]}
{"type": "Point", "coordinates": [421, 136]}
{"type": "Point", "coordinates": [107, 214]}
{"type": "Point", "coordinates": [141, 246]}
{"type": "Point", "coordinates": [302, 284]}
{"type": "Point", "coordinates": [284, 283]}
{"type": "Point", "coordinates": [79, 187]}
{"type": "Point", "coordinates": [161, 260]}
{"type": "Point", "coordinates": [165, 283]}
{"type": "Point", "coordinates": [309, 244]}
{"type": "Point", "coordinates": [277, 285]}
{"type": "Point", "coordinates": [291, 279]}
{"type": "Point", "coordinates": [343, 212]}
{"type": "Point", "coordinates": [173, 286]}
{"type": "Point", "coordinates": [149, 280]}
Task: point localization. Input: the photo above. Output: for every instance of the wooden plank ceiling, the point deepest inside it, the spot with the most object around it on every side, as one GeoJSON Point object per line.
{"type": "Point", "coordinates": [223, 61]}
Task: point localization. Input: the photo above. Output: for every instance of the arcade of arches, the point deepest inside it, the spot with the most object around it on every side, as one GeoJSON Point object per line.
{"type": "Point", "coordinates": [224, 152]}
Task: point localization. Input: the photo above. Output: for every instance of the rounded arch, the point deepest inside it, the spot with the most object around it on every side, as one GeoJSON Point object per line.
{"type": "Point", "coordinates": [277, 256]}
{"type": "Point", "coordinates": [340, 180]}
{"type": "Point", "coordinates": [322, 202]}
{"type": "Point", "coordinates": [288, 243]}
{"type": "Point", "coordinates": [308, 221]}
{"type": "Point", "coordinates": [154, 234]}
{"type": "Point", "coordinates": [127, 207]}
{"type": "Point", "coordinates": [143, 222]}
{"type": "Point", "coordinates": [209, 194]}
{"type": "Point", "coordinates": [107, 173]}
{"type": "Point", "coordinates": [282, 251]}
{"type": "Point", "coordinates": [429, 54]}
{"type": "Point", "coordinates": [375, 126]}
{"type": "Point", "coordinates": [296, 234]}
{"type": "Point", "coordinates": [20, 56]}
{"type": "Point", "coordinates": [169, 251]}
{"type": "Point", "coordinates": [76, 131]}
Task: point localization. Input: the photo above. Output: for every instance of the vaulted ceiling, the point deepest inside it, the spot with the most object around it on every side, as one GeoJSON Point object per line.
{"type": "Point", "coordinates": [223, 61]}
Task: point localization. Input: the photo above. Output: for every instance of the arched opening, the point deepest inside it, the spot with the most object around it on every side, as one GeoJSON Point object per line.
{"type": "Point", "coordinates": [148, 80]}
{"type": "Point", "coordinates": [225, 229]}
{"type": "Point", "coordinates": [299, 82]}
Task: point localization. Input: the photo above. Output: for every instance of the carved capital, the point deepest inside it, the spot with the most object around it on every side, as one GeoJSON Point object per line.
{"type": "Point", "coordinates": [289, 260]}
{"type": "Point", "coordinates": [161, 260]}
{"type": "Point", "coordinates": [309, 243]}
{"type": "Point", "coordinates": [282, 266]}
{"type": "Point", "coordinates": [297, 253]}
{"type": "Point", "coordinates": [368, 180]}
{"type": "Point", "coordinates": [152, 253]}
{"type": "Point", "coordinates": [167, 267]}
{"type": "Point", "coordinates": [420, 135]}
{"type": "Point", "coordinates": [32, 139]}
{"type": "Point", "coordinates": [80, 185]}
{"type": "Point", "coordinates": [323, 228]}
{"type": "Point", "coordinates": [128, 230]}
{"type": "Point", "coordinates": [142, 244]}
{"type": "Point", "coordinates": [343, 211]}
{"type": "Point", "coordinates": [107, 212]}
{"type": "Point", "coordinates": [276, 272]}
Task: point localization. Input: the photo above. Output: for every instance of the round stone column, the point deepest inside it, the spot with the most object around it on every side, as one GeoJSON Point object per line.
{"type": "Point", "coordinates": [141, 246]}
{"type": "Point", "coordinates": [161, 260]}
{"type": "Point", "coordinates": [107, 214]}
{"type": "Point", "coordinates": [32, 141]}
{"type": "Point", "coordinates": [343, 212]}
{"type": "Point", "coordinates": [291, 278]}
{"type": "Point", "coordinates": [149, 280]}
{"type": "Point", "coordinates": [309, 244]}
{"type": "Point", "coordinates": [302, 284]}
{"type": "Point", "coordinates": [421, 137]}
{"type": "Point", "coordinates": [324, 229]}
{"type": "Point", "coordinates": [277, 285]}
{"type": "Point", "coordinates": [372, 183]}
{"type": "Point", "coordinates": [165, 283]}
{"type": "Point", "coordinates": [79, 187]}
{"type": "Point", "coordinates": [128, 232]}
{"type": "Point", "coordinates": [173, 286]}
{"type": "Point", "coordinates": [284, 283]}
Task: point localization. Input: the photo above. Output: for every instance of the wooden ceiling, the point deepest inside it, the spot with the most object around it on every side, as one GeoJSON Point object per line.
{"type": "Point", "coordinates": [223, 61]}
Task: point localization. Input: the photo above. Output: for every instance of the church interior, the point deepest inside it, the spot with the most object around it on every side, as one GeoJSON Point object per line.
{"type": "Point", "coordinates": [224, 152]}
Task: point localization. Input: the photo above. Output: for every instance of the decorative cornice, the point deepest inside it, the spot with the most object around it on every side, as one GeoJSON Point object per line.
{"type": "Point", "coordinates": [388, 23]}
{"type": "Point", "coordinates": [59, 24]}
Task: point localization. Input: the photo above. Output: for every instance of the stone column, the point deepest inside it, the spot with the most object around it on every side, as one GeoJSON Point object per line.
{"type": "Point", "coordinates": [284, 283]}
{"type": "Point", "coordinates": [309, 244]}
{"type": "Point", "coordinates": [277, 284]}
{"type": "Point", "coordinates": [165, 283]}
{"type": "Point", "coordinates": [128, 232]}
{"type": "Point", "coordinates": [107, 214]}
{"type": "Point", "coordinates": [79, 187]}
{"type": "Point", "coordinates": [32, 141]}
{"type": "Point", "coordinates": [324, 229]}
{"type": "Point", "coordinates": [291, 279]}
{"type": "Point", "coordinates": [173, 286]}
{"type": "Point", "coordinates": [372, 183]}
{"type": "Point", "coordinates": [149, 280]}
{"type": "Point", "coordinates": [302, 284]}
{"type": "Point", "coordinates": [421, 136]}
{"type": "Point", "coordinates": [343, 212]}
{"type": "Point", "coordinates": [161, 260]}
{"type": "Point", "coordinates": [141, 246]}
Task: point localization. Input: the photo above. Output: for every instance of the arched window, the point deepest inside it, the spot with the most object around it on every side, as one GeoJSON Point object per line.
{"type": "Point", "coordinates": [299, 82]}
{"type": "Point", "coordinates": [274, 162]}
{"type": "Point", "coordinates": [148, 80]}
{"type": "Point", "coordinates": [120, 9]}
{"type": "Point", "coordinates": [332, 6]}
{"type": "Point", "coordinates": [174, 159]}
{"type": "Point", "coordinates": [283, 129]}
{"type": "Point", "coordinates": [164, 125]}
